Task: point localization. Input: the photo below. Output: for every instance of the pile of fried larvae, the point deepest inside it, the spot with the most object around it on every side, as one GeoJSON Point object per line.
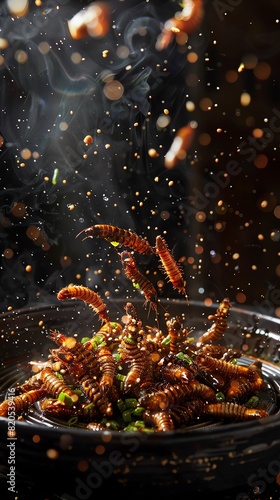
{"type": "Point", "coordinates": [133, 377]}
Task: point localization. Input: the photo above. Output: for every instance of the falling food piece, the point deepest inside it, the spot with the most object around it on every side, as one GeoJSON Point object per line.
{"type": "Point", "coordinates": [180, 146]}
{"type": "Point", "coordinates": [18, 7]}
{"type": "Point", "coordinates": [153, 153]}
{"type": "Point", "coordinates": [186, 21]}
{"type": "Point", "coordinates": [88, 140]}
{"type": "Point", "coordinates": [91, 21]}
{"type": "Point", "coordinates": [170, 266]}
{"type": "Point", "coordinates": [88, 296]}
{"type": "Point", "coordinates": [118, 236]}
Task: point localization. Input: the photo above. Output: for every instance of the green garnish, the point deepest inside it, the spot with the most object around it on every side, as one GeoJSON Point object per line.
{"type": "Point", "coordinates": [65, 398]}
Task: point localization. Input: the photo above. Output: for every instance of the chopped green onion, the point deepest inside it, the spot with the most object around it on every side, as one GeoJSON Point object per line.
{"type": "Point", "coordinates": [126, 415]}
{"type": "Point", "coordinates": [136, 285]}
{"type": "Point", "coordinates": [58, 375]}
{"type": "Point", "coordinates": [72, 421]}
{"type": "Point", "coordinates": [138, 411]}
{"type": "Point", "coordinates": [184, 357]}
{"type": "Point", "coordinates": [130, 402]}
{"type": "Point", "coordinates": [220, 396]}
{"type": "Point", "coordinates": [120, 377]}
{"type": "Point", "coordinates": [85, 339]}
{"type": "Point", "coordinates": [129, 340]}
{"type": "Point", "coordinates": [89, 406]}
{"type": "Point", "coordinates": [252, 402]}
{"type": "Point", "coordinates": [139, 423]}
{"type": "Point", "coordinates": [113, 425]}
{"type": "Point", "coordinates": [166, 340]}
{"type": "Point", "coordinates": [65, 398]}
{"type": "Point", "coordinates": [121, 405]}
{"type": "Point", "coordinates": [55, 175]}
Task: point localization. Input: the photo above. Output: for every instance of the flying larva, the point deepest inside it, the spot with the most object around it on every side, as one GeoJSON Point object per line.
{"type": "Point", "coordinates": [88, 296]}
{"type": "Point", "coordinates": [170, 266]}
{"type": "Point", "coordinates": [138, 279]}
{"type": "Point", "coordinates": [118, 236]}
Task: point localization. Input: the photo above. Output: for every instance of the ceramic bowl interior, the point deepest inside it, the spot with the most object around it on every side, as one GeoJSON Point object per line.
{"type": "Point", "coordinates": [210, 457]}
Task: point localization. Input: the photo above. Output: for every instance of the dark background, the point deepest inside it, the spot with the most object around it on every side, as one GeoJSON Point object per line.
{"type": "Point", "coordinates": [220, 221]}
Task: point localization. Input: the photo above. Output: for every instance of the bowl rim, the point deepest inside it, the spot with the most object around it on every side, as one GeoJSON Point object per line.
{"type": "Point", "coordinates": [212, 432]}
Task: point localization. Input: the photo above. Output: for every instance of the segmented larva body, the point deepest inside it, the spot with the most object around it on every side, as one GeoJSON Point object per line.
{"type": "Point", "coordinates": [88, 296]}
{"type": "Point", "coordinates": [233, 411]}
{"type": "Point", "coordinates": [241, 387]}
{"type": "Point", "coordinates": [107, 366]}
{"type": "Point", "coordinates": [217, 330]}
{"type": "Point", "coordinates": [174, 327]}
{"type": "Point", "coordinates": [22, 402]}
{"type": "Point", "coordinates": [136, 358]}
{"type": "Point", "coordinates": [197, 389]}
{"type": "Point", "coordinates": [187, 412]}
{"type": "Point", "coordinates": [110, 332]}
{"type": "Point", "coordinates": [225, 369]}
{"type": "Point", "coordinates": [172, 371]}
{"type": "Point", "coordinates": [163, 396]}
{"type": "Point", "coordinates": [161, 420]}
{"type": "Point", "coordinates": [55, 385]}
{"type": "Point", "coordinates": [93, 391]}
{"type": "Point", "coordinates": [120, 236]}
{"type": "Point", "coordinates": [55, 408]}
{"type": "Point", "coordinates": [130, 269]}
{"type": "Point", "coordinates": [170, 266]}
{"type": "Point", "coordinates": [75, 355]}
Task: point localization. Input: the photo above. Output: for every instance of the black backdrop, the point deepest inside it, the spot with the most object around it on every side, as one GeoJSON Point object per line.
{"type": "Point", "coordinates": [218, 209]}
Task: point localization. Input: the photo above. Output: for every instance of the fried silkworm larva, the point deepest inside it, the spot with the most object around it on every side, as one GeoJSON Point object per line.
{"type": "Point", "coordinates": [224, 368]}
{"type": "Point", "coordinates": [241, 387]}
{"type": "Point", "coordinates": [175, 330]}
{"type": "Point", "coordinates": [55, 386]}
{"type": "Point", "coordinates": [78, 358]}
{"type": "Point", "coordinates": [22, 402]}
{"type": "Point", "coordinates": [172, 371]}
{"type": "Point", "coordinates": [186, 21]}
{"type": "Point", "coordinates": [217, 330]}
{"type": "Point", "coordinates": [88, 296]}
{"type": "Point", "coordinates": [93, 391]}
{"type": "Point", "coordinates": [170, 266]}
{"type": "Point", "coordinates": [55, 408]}
{"type": "Point", "coordinates": [115, 234]}
{"type": "Point", "coordinates": [161, 420]}
{"type": "Point", "coordinates": [138, 279]}
{"type": "Point", "coordinates": [180, 146]}
{"type": "Point", "coordinates": [107, 367]}
{"type": "Point", "coordinates": [233, 411]}
{"type": "Point", "coordinates": [187, 412]}
{"type": "Point", "coordinates": [136, 357]}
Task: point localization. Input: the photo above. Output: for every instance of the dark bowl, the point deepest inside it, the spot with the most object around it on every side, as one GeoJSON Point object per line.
{"type": "Point", "coordinates": [203, 458]}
